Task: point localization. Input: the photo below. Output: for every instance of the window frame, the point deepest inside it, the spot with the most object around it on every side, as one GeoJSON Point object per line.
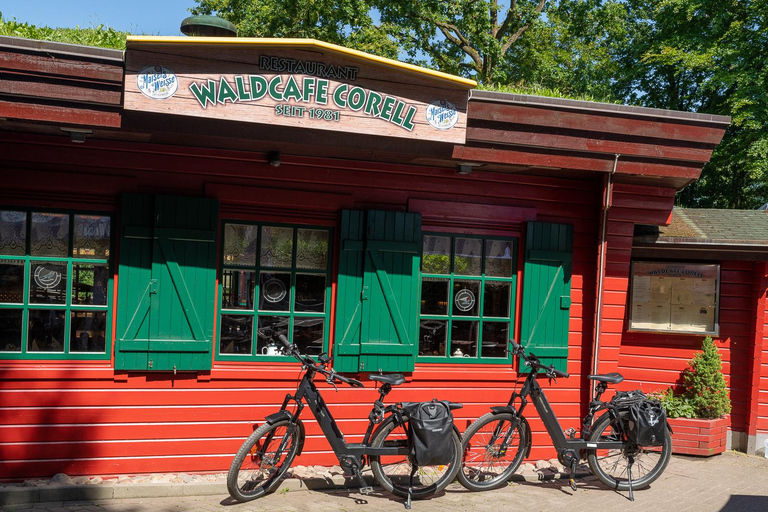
{"type": "Point", "coordinates": [482, 279]}
{"type": "Point", "coordinates": [254, 312]}
{"type": "Point", "coordinates": [26, 306]}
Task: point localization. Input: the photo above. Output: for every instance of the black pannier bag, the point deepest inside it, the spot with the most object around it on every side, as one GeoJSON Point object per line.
{"type": "Point", "coordinates": [431, 427]}
{"type": "Point", "coordinates": [644, 420]}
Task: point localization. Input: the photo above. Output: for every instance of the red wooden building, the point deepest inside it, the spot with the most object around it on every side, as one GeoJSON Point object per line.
{"type": "Point", "coordinates": [166, 210]}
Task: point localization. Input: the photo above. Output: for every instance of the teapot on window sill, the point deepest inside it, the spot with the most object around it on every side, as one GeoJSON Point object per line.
{"type": "Point", "coordinates": [271, 350]}
{"type": "Point", "coordinates": [459, 353]}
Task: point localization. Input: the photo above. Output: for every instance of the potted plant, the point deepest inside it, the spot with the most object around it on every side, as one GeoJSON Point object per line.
{"type": "Point", "coordinates": [697, 416]}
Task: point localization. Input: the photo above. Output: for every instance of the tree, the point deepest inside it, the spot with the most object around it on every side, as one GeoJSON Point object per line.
{"type": "Point", "coordinates": [342, 22]}
{"type": "Point", "coordinates": [471, 38]}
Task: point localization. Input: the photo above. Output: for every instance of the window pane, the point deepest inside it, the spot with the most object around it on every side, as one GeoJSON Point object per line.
{"type": "Point", "coordinates": [310, 293]}
{"type": "Point", "coordinates": [49, 235]}
{"type": "Point", "coordinates": [434, 296]}
{"type": "Point", "coordinates": [468, 258]}
{"type": "Point", "coordinates": [432, 337]}
{"type": "Point", "coordinates": [91, 236]}
{"type": "Point", "coordinates": [12, 281]}
{"type": "Point", "coordinates": [496, 300]}
{"type": "Point", "coordinates": [465, 295]}
{"type": "Point", "coordinates": [88, 331]}
{"type": "Point", "coordinates": [308, 335]}
{"type": "Point", "coordinates": [498, 258]}
{"type": "Point", "coordinates": [240, 245]}
{"type": "Point", "coordinates": [13, 233]}
{"type": "Point", "coordinates": [48, 282]}
{"type": "Point", "coordinates": [270, 327]}
{"type": "Point", "coordinates": [10, 330]}
{"type": "Point", "coordinates": [238, 287]}
{"type": "Point", "coordinates": [436, 257]}
{"type": "Point", "coordinates": [312, 249]}
{"type": "Point", "coordinates": [89, 284]}
{"type": "Point", "coordinates": [46, 331]}
{"type": "Point", "coordinates": [274, 291]}
{"type": "Point", "coordinates": [276, 247]}
{"type": "Point", "coordinates": [495, 339]}
{"type": "Point", "coordinates": [464, 339]}
{"type": "Point", "coordinates": [236, 334]}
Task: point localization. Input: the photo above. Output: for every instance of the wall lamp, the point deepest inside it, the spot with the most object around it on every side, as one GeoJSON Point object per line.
{"type": "Point", "coordinates": [274, 159]}
{"type": "Point", "coordinates": [77, 135]}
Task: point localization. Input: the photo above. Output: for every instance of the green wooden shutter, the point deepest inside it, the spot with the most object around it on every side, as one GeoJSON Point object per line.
{"type": "Point", "coordinates": [377, 306]}
{"type": "Point", "coordinates": [547, 292]}
{"type": "Point", "coordinates": [167, 283]}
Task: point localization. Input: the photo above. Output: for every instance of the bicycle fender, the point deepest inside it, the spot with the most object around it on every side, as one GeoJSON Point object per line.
{"type": "Point", "coordinates": [286, 415]}
{"type": "Point", "coordinates": [511, 410]}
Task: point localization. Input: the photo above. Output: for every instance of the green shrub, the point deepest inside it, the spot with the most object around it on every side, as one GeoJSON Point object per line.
{"type": "Point", "coordinates": [705, 384]}
{"type": "Point", "coordinates": [705, 393]}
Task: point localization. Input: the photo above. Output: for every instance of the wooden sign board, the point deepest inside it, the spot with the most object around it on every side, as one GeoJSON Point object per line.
{"type": "Point", "coordinates": [298, 83]}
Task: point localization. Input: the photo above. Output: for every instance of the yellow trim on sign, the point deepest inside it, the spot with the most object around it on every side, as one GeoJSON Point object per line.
{"type": "Point", "coordinates": [257, 41]}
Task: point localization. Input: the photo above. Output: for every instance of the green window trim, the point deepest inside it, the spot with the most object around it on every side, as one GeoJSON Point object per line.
{"type": "Point", "coordinates": [252, 312]}
{"type": "Point", "coordinates": [69, 309]}
{"type": "Point", "coordinates": [433, 322]}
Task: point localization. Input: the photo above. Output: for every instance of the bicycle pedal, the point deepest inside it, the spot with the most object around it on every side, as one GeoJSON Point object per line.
{"type": "Point", "coordinates": [366, 490]}
{"type": "Point", "coordinates": [570, 433]}
{"type": "Point", "coordinates": [572, 482]}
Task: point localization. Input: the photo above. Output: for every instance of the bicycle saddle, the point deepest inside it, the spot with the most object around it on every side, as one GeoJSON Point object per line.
{"type": "Point", "coordinates": [393, 379]}
{"type": "Point", "coordinates": [613, 377]}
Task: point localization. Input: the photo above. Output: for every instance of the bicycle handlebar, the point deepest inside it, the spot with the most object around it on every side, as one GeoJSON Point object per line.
{"type": "Point", "coordinates": [319, 367]}
{"type": "Point", "coordinates": [533, 361]}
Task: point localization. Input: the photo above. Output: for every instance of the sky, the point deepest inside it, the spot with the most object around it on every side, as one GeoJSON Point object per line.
{"type": "Point", "coordinates": [148, 17]}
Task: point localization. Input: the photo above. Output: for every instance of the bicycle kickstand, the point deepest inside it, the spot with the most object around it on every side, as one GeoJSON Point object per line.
{"type": "Point", "coordinates": [414, 469]}
{"type": "Point", "coordinates": [629, 477]}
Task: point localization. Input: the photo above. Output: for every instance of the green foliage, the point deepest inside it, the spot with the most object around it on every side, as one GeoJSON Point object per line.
{"type": "Point", "coordinates": [100, 35]}
{"type": "Point", "coordinates": [705, 393]}
{"type": "Point", "coordinates": [677, 406]}
{"type": "Point", "coordinates": [705, 384]}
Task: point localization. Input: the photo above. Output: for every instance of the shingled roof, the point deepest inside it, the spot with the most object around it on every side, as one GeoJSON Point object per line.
{"type": "Point", "coordinates": [709, 230]}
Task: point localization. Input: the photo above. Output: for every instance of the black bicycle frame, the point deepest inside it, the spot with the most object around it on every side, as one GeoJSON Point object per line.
{"type": "Point", "coordinates": [350, 455]}
{"type": "Point", "coordinates": [561, 443]}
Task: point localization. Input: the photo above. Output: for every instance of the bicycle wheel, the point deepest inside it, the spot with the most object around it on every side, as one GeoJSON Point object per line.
{"type": "Point", "coordinates": [262, 460]}
{"type": "Point", "coordinates": [486, 465]}
{"type": "Point", "coordinates": [393, 472]}
{"type": "Point", "coordinates": [611, 466]}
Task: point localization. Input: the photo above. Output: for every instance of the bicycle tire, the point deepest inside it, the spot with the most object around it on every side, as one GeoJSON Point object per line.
{"type": "Point", "coordinates": [483, 467]}
{"type": "Point", "coordinates": [611, 466]}
{"type": "Point", "coordinates": [255, 470]}
{"type": "Point", "coordinates": [393, 472]}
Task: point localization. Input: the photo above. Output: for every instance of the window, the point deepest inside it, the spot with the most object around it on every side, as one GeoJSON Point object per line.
{"type": "Point", "coordinates": [275, 280]}
{"type": "Point", "coordinates": [468, 289]}
{"type": "Point", "coordinates": [55, 285]}
{"type": "Point", "coordinates": [674, 297]}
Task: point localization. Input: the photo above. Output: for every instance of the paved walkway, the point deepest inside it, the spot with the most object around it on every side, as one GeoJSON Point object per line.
{"type": "Point", "coordinates": [730, 482]}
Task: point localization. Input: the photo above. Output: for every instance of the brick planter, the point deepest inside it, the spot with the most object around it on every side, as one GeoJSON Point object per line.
{"type": "Point", "coordinates": [698, 436]}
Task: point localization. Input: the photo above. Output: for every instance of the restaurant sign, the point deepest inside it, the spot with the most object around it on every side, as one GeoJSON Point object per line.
{"type": "Point", "coordinates": [288, 89]}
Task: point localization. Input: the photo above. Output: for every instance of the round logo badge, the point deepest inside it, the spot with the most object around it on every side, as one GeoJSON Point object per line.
{"type": "Point", "coordinates": [465, 300]}
{"type": "Point", "coordinates": [157, 82]}
{"type": "Point", "coordinates": [274, 290]}
{"type": "Point", "coordinates": [47, 278]}
{"type": "Point", "coordinates": [442, 114]}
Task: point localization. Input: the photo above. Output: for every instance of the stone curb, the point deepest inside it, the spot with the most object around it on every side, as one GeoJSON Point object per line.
{"type": "Point", "coordinates": [10, 496]}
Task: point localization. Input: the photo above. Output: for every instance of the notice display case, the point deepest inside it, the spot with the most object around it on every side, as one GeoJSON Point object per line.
{"type": "Point", "coordinates": [674, 297]}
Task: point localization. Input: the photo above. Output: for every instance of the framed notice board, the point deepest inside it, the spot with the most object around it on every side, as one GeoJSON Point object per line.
{"type": "Point", "coordinates": [674, 297]}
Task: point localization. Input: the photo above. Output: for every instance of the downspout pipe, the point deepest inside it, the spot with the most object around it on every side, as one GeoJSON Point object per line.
{"type": "Point", "coordinates": [607, 202]}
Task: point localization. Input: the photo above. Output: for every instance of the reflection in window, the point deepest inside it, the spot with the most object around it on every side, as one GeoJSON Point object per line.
{"type": "Point", "coordinates": [88, 330]}
{"type": "Point", "coordinates": [467, 298]}
{"type": "Point", "coordinates": [289, 297]}
{"type": "Point", "coordinates": [54, 285]}
{"type": "Point", "coordinates": [240, 245]}
{"type": "Point", "coordinates": [49, 235]}
{"type": "Point", "coordinates": [10, 330]}
{"type": "Point", "coordinates": [45, 332]}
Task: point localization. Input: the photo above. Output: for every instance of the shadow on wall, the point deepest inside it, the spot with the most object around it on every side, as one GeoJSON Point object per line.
{"type": "Point", "coordinates": [741, 503]}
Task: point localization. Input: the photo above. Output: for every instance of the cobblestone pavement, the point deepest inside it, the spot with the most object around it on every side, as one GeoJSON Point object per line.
{"type": "Point", "coordinates": [730, 482]}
